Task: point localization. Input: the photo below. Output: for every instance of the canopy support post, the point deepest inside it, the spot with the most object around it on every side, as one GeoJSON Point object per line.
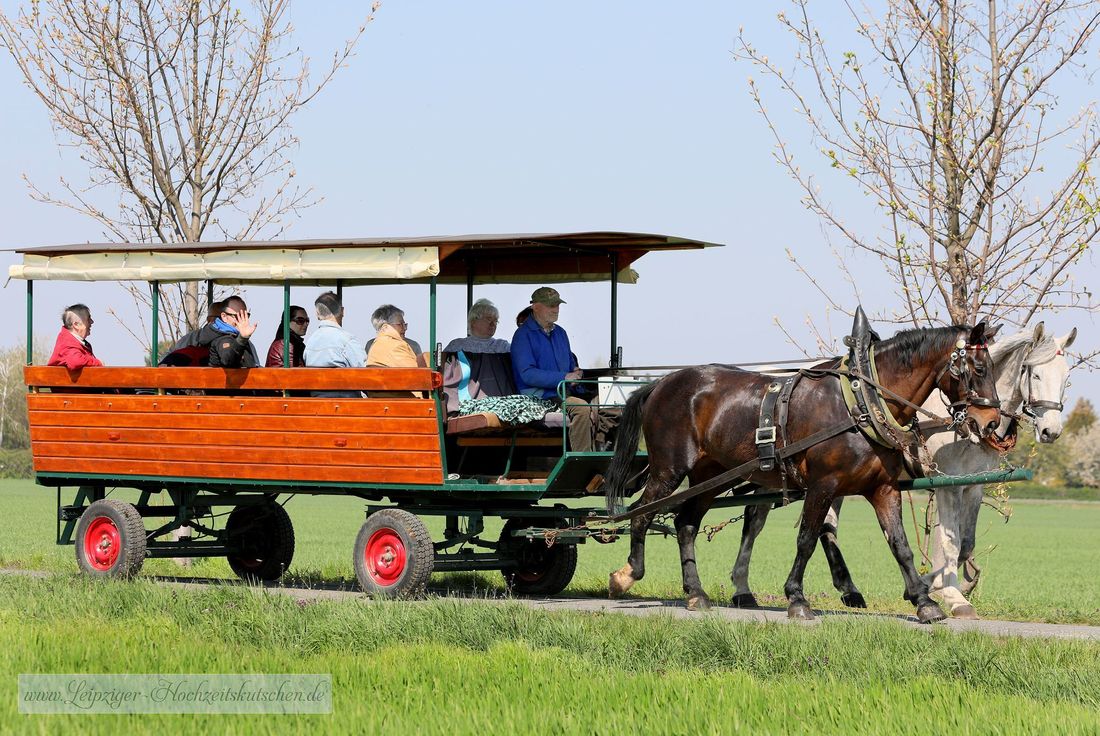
{"type": "Point", "coordinates": [431, 323]}
{"type": "Point", "coordinates": [30, 322]}
{"type": "Point", "coordinates": [614, 362]}
{"type": "Point", "coordinates": [470, 268]}
{"type": "Point", "coordinates": [209, 296]}
{"type": "Point", "coordinates": [340, 290]}
{"type": "Point", "coordinates": [155, 351]}
{"type": "Point", "coordinates": [286, 324]}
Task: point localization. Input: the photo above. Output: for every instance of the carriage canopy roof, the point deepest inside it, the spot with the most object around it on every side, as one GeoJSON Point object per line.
{"type": "Point", "coordinates": [502, 259]}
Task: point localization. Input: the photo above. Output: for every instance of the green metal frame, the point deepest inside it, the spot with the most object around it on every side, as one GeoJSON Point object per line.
{"type": "Point", "coordinates": [30, 322]}
{"type": "Point", "coordinates": [155, 352]}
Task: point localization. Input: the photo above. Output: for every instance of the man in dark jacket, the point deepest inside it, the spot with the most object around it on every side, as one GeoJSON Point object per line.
{"type": "Point", "coordinates": [188, 351]}
{"type": "Point", "coordinates": [229, 336]}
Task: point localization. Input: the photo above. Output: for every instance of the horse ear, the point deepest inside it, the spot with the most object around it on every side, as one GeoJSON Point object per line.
{"type": "Point", "coordinates": [1037, 336]}
{"type": "Point", "coordinates": [977, 335]}
{"type": "Point", "coordinates": [1066, 341]}
{"type": "Point", "coordinates": [991, 332]}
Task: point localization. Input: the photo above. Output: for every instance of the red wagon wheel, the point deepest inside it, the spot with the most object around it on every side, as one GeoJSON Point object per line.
{"type": "Point", "coordinates": [394, 556]}
{"type": "Point", "coordinates": [110, 540]}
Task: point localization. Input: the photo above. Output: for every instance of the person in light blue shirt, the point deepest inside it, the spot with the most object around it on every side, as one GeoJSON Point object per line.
{"type": "Point", "coordinates": [331, 346]}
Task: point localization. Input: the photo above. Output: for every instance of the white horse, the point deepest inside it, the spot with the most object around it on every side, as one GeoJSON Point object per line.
{"type": "Point", "coordinates": [1031, 373]}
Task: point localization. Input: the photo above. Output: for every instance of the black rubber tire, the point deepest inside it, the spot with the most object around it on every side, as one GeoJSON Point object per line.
{"type": "Point", "coordinates": [261, 540]}
{"type": "Point", "coordinates": [540, 570]}
{"type": "Point", "coordinates": [400, 536]}
{"type": "Point", "coordinates": [110, 519]}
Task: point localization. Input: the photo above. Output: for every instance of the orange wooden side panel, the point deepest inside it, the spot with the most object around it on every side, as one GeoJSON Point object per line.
{"type": "Point", "coordinates": [326, 440]}
{"type": "Point", "coordinates": [265, 379]}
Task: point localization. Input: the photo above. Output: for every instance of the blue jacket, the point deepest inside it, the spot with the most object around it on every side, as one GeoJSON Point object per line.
{"type": "Point", "coordinates": [540, 361]}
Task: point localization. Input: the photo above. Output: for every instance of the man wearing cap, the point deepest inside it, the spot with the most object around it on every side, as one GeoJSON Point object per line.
{"type": "Point", "coordinates": [541, 359]}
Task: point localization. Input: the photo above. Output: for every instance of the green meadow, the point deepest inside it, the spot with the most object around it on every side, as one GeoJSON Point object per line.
{"type": "Point", "coordinates": [456, 666]}
{"type": "Point", "coordinates": [1039, 566]}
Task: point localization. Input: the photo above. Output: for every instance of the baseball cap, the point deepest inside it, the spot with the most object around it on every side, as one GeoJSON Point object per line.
{"type": "Point", "coordinates": [548, 296]}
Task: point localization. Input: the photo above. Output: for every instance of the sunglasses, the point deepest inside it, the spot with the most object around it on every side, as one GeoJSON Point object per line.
{"type": "Point", "coordinates": [300, 320]}
{"type": "Point", "coordinates": [236, 315]}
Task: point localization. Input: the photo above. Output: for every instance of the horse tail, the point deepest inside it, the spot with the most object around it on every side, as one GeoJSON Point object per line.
{"type": "Point", "coordinates": [626, 447]}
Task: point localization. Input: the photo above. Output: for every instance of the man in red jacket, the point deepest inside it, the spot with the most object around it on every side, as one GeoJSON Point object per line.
{"type": "Point", "coordinates": [72, 348]}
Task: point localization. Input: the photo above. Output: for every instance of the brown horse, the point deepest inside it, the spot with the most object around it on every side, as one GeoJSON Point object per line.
{"type": "Point", "coordinates": [699, 422]}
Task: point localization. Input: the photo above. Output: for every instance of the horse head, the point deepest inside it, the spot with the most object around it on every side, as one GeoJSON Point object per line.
{"type": "Point", "coordinates": [1043, 378]}
{"type": "Point", "coordinates": [968, 381]}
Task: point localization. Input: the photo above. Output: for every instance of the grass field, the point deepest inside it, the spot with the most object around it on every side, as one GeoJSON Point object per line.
{"type": "Point", "coordinates": [449, 667]}
{"type": "Point", "coordinates": [1040, 566]}
{"type": "Point", "coordinates": [445, 666]}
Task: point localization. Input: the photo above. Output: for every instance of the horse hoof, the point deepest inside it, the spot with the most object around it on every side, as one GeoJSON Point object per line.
{"type": "Point", "coordinates": [620, 581]}
{"type": "Point", "coordinates": [800, 612]}
{"type": "Point", "coordinates": [964, 611]}
{"type": "Point", "coordinates": [853, 600]}
{"type": "Point", "coordinates": [699, 603]}
{"type": "Point", "coordinates": [745, 600]}
{"type": "Point", "coordinates": [930, 613]}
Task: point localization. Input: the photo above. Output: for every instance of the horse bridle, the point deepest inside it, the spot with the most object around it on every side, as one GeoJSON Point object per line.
{"type": "Point", "coordinates": [1027, 408]}
{"type": "Point", "coordinates": [959, 367]}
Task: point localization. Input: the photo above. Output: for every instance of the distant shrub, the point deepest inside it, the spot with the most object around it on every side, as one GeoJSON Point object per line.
{"type": "Point", "coordinates": [16, 464]}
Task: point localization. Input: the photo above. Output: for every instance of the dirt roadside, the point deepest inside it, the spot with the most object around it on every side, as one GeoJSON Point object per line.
{"type": "Point", "coordinates": [650, 607]}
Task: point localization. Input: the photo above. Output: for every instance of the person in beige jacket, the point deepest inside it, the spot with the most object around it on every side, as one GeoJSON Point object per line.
{"type": "Point", "coordinates": [389, 349]}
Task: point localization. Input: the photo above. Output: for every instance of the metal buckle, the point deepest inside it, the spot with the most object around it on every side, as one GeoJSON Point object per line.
{"type": "Point", "coordinates": [765, 435]}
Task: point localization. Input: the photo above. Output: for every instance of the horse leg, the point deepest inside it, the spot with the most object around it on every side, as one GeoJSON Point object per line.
{"type": "Point", "coordinates": [814, 509]}
{"type": "Point", "coordinates": [842, 579]}
{"type": "Point", "coordinates": [971, 504]}
{"type": "Point", "coordinates": [886, 501]}
{"type": "Point", "coordinates": [755, 517]}
{"type": "Point", "coordinates": [945, 554]}
{"type": "Point", "coordinates": [687, 528]}
{"type": "Point", "coordinates": [634, 570]}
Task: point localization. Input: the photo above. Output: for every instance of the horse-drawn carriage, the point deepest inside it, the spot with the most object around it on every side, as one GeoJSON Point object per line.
{"type": "Point", "coordinates": [141, 445]}
{"type": "Point", "coordinates": [152, 435]}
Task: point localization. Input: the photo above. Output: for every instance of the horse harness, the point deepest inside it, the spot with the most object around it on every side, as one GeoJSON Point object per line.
{"type": "Point", "coordinates": [867, 412]}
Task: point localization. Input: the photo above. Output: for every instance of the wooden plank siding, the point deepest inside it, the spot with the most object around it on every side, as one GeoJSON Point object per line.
{"type": "Point", "coordinates": [247, 379]}
{"type": "Point", "coordinates": [262, 438]}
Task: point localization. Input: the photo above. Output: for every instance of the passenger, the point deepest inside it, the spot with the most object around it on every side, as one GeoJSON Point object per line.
{"type": "Point", "coordinates": [229, 337]}
{"type": "Point", "coordinates": [523, 315]}
{"type": "Point", "coordinates": [391, 315]}
{"type": "Point", "coordinates": [331, 346]}
{"type": "Point", "coordinates": [72, 348]}
{"type": "Point", "coordinates": [481, 325]}
{"type": "Point", "coordinates": [390, 349]}
{"type": "Point", "coordinates": [541, 359]}
{"type": "Point", "coordinates": [299, 323]}
{"type": "Point", "coordinates": [188, 351]}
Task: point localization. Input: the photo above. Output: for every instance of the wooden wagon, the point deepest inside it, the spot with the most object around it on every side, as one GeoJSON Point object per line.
{"type": "Point", "coordinates": [134, 452]}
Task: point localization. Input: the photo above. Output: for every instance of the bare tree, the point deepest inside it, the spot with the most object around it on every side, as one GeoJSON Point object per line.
{"type": "Point", "coordinates": [948, 117]}
{"type": "Point", "coordinates": [14, 424]}
{"type": "Point", "coordinates": [181, 108]}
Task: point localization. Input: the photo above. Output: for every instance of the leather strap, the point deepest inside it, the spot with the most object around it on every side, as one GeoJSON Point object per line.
{"type": "Point", "coordinates": [728, 479]}
{"type": "Point", "coordinates": [766, 428]}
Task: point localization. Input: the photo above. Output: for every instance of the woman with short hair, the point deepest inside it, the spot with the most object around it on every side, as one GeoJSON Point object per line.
{"type": "Point", "coordinates": [481, 325]}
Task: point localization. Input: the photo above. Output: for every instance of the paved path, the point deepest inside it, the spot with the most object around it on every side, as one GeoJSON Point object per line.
{"type": "Point", "coordinates": [653, 607]}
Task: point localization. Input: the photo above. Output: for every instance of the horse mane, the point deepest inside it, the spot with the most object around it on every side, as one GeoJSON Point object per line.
{"type": "Point", "coordinates": [1044, 352]}
{"type": "Point", "coordinates": [1038, 354]}
{"type": "Point", "coordinates": [911, 346]}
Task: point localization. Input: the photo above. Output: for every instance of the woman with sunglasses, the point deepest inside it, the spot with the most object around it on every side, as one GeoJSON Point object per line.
{"type": "Point", "coordinates": [299, 323]}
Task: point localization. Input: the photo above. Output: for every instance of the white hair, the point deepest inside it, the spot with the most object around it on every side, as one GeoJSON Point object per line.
{"type": "Point", "coordinates": [482, 308]}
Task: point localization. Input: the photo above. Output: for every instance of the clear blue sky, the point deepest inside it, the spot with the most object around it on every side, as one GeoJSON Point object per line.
{"type": "Point", "coordinates": [525, 117]}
